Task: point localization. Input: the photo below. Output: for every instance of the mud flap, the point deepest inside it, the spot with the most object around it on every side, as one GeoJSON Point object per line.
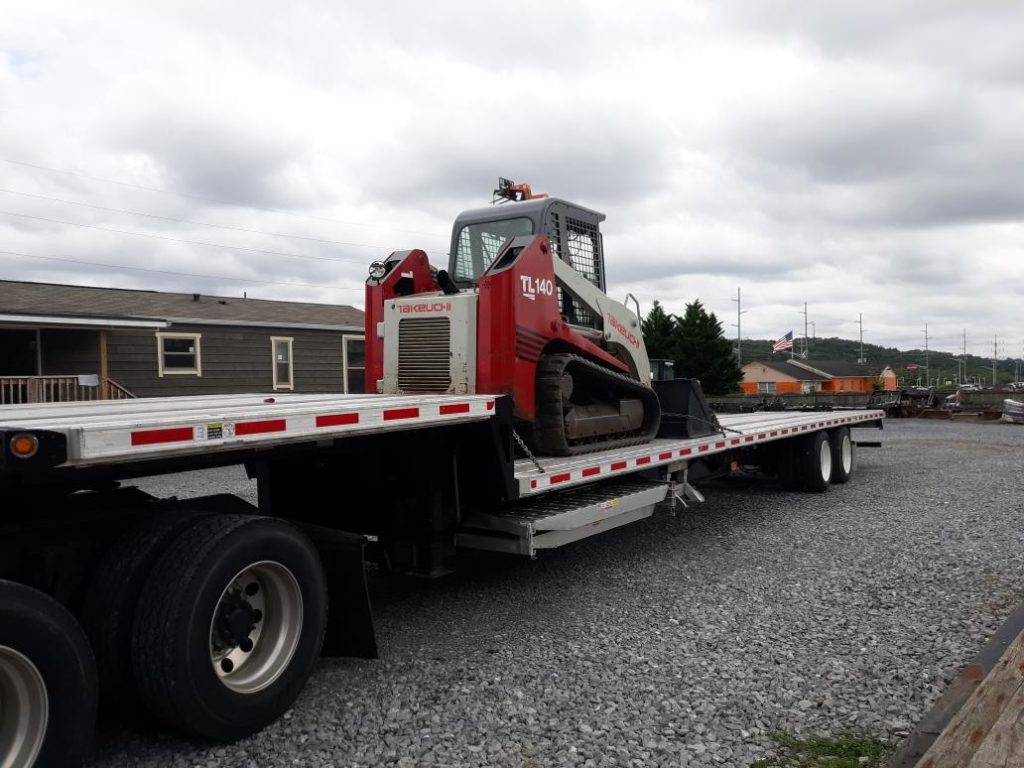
{"type": "Point", "coordinates": [350, 630]}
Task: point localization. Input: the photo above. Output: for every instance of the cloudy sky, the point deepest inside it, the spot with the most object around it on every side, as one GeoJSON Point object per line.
{"type": "Point", "coordinates": [861, 157]}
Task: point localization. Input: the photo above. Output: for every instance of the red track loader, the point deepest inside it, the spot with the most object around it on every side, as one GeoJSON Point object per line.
{"type": "Point", "coordinates": [521, 310]}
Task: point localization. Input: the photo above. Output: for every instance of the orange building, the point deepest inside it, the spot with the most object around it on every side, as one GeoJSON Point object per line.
{"type": "Point", "coordinates": [778, 377]}
{"type": "Point", "coordinates": [803, 376]}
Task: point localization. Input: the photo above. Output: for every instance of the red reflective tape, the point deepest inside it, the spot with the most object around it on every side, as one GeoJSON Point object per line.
{"type": "Point", "coordinates": [749, 439]}
{"type": "Point", "coordinates": [785, 432]}
{"type": "Point", "coordinates": [643, 460]}
{"type": "Point", "coordinates": [533, 483]}
{"type": "Point", "coordinates": [446, 410]}
{"type": "Point", "coordinates": [664, 456]}
{"type": "Point", "coordinates": [702, 448]}
{"type": "Point", "coordinates": [157, 436]}
{"type": "Point", "coordinates": [591, 471]}
{"type": "Point", "coordinates": [337, 419]}
{"type": "Point", "coordinates": [685, 451]}
{"type": "Point", "coordinates": [720, 444]}
{"type": "Point", "coordinates": [773, 433]}
{"type": "Point", "coordinates": [490, 405]}
{"type": "Point", "coordinates": [260, 427]}
{"type": "Point", "coordinates": [401, 413]}
{"type": "Point", "coordinates": [762, 436]}
{"type": "Point", "coordinates": [735, 441]}
{"type": "Point", "coordinates": [560, 478]}
{"type": "Point", "coordinates": [617, 465]}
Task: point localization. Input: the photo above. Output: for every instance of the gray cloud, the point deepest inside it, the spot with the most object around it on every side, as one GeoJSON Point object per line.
{"type": "Point", "coordinates": [862, 158]}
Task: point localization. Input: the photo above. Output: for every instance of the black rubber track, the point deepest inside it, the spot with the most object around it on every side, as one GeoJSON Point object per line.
{"type": "Point", "coordinates": [549, 430]}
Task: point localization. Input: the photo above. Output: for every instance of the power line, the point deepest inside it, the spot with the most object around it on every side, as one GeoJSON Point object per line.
{"type": "Point", "coordinates": [188, 221]}
{"type": "Point", "coordinates": [189, 242]}
{"type": "Point", "coordinates": [213, 199]}
{"type": "Point", "coordinates": [171, 272]}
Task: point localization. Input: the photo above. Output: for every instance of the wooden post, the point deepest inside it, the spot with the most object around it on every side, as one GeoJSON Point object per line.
{"type": "Point", "coordinates": [988, 731]}
{"type": "Point", "coordinates": [104, 386]}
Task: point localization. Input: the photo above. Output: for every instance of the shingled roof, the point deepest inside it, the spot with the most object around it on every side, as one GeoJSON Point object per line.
{"type": "Point", "coordinates": [788, 368]}
{"type": "Point", "coordinates": [76, 301]}
{"type": "Point", "coordinates": [833, 368]}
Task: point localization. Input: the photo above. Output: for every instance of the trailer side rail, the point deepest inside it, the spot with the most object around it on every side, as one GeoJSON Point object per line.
{"type": "Point", "coordinates": [739, 431]}
{"type": "Point", "coordinates": [100, 432]}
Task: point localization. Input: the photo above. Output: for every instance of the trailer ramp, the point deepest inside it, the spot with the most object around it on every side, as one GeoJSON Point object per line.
{"type": "Point", "coordinates": [561, 518]}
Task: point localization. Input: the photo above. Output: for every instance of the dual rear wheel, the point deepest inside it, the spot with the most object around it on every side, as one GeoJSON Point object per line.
{"type": "Point", "coordinates": [812, 462]}
{"type": "Point", "coordinates": [218, 635]}
{"type": "Point", "coordinates": [211, 623]}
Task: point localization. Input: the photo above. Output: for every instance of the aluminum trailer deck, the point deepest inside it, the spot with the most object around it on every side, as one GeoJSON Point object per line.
{"type": "Point", "coordinates": [109, 432]}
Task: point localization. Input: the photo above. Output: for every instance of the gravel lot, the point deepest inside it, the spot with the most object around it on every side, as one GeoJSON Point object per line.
{"type": "Point", "coordinates": [676, 641]}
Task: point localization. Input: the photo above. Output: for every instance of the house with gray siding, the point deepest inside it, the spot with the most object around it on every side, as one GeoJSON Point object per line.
{"type": "Point", "coordinates": [69, 342]}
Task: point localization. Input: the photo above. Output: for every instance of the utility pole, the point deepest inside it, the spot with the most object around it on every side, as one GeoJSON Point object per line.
{"type": "Point", "coordinates": [739, 335]}
{"type": "Point", "coordinates": [805, 331]}
{"type": "Point", "coordinates": [995, 356]}
{"type": "Point", "coordinates": [927, 372]}
{"type": "Point", "coordinates": [963, 359]}
{"type": "Point", "coordinates": [860, 323]}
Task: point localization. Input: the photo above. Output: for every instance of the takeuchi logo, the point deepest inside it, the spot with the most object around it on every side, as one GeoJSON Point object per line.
{"type": "Point", "coordinates": [627, 334]}
{"type": "Point", "coordinates": [437, 306]}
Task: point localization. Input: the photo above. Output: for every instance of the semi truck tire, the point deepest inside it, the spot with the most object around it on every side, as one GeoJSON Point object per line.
{"type": "Point", "coordinates": [844, 455]}
{"type": "Point", "coordinates": [815, 462]}
{"type": "Point", "coordinates": [111, 602]}
{"type": "Point", "coordinates": [230, 623]}
{"type": "Point", "coordinates": [47, 682]}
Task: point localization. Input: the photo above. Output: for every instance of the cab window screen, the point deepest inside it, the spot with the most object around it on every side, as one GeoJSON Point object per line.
{"type": "Point", "coordinates": [480, 243]}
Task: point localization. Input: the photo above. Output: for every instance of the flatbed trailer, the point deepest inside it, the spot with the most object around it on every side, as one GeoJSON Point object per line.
{"type": "Point", "coordinates": [209, 612]}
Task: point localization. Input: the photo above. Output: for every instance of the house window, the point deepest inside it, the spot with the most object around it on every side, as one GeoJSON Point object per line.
{"type": "Point", "coordinates": [766, 387]}
{"type": "Point", "coordinates": [179, 353]}
{"type": "Point", "coordinates": [354, 363]}
{"type": "Point", "coordinates": [281, 360]}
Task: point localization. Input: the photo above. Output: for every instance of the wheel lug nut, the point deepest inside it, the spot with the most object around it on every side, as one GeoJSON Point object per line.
{"type": "Point", "coordinates": [227, 665]}
{"type": "Point", "coordinates": [252, 589]}
{"type": "Point", "coordinates": [257, 615]}
{"type": "Point", "coordinates": [245, 645]}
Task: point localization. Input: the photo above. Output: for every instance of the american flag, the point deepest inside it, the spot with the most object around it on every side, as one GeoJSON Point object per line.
{"type": "Point", "coordinates": [785, 342]}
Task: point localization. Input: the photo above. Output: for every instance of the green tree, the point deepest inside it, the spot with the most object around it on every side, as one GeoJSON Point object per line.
{"type": "Point", "coordinates": [660, 335]}
{"type": "Point", "coordinates": [702, 352]}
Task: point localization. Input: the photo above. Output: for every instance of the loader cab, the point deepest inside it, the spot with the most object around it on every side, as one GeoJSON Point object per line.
{"type": "Point", "coordinates": [573, 233]}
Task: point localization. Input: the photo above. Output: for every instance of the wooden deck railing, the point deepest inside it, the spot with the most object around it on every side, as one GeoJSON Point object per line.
{"type": "Point", "coordinates": [15, 390]}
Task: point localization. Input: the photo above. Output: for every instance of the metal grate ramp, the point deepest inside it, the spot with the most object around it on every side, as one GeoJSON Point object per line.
{"type": "Point", "coordinates": [561, 518]}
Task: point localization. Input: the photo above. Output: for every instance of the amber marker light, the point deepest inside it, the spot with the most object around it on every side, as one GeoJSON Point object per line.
{"type": "Point", "coordinates": [24, 446]}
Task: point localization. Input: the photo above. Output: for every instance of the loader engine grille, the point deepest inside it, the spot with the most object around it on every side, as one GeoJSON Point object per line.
{"type": "Point", "coordinates": [424, 354]}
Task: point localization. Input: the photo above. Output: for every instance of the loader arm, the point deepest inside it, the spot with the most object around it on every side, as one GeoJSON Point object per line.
{"type": "Point", "coordinates": [619, 327]}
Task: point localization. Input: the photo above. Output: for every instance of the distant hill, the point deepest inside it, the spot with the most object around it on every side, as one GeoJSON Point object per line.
{"type": "Point", "coordinates": [941, 364]}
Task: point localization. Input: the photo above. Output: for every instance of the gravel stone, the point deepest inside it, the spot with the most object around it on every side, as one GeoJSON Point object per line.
{"type": "Point", "coordinates": [681, 640]}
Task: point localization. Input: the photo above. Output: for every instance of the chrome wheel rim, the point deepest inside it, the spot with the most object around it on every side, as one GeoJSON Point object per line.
{"type": "Point", "coordinates": [256, 627]}
{"type": "Point", "coordinates": [24, 710]}
{"type": "Point", "coordinates": [847, 454]}
{"type": "Point", "coordinates": [826, 460]}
